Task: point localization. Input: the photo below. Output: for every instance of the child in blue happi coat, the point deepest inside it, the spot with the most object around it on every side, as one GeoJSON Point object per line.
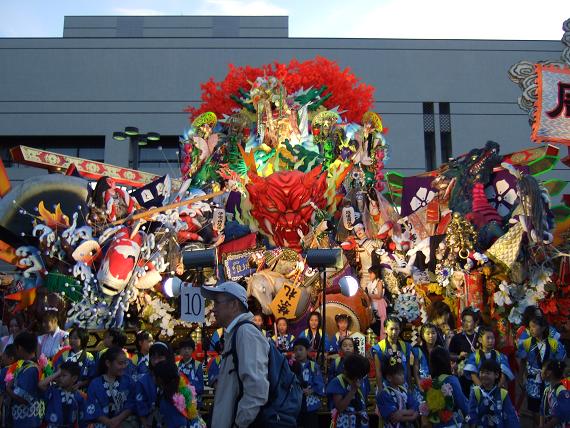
{"type": "Point", "coordinates": [390, 347]}
{"type": "Point", "coordinates": [191, 368]}
{"type": "Point", "coordinates": [77, 352]}
{"type": "Point", "coordinates": [398, 407]}
{"type": "Point", "coordinates": [314, 334]}
{"type": "Point", "coordinates": [28, 408]}
{"type": "Point", "coordinates": [529, 313]}
{"type": "Point", "coordinates": [116, 337]}
{"type": "Point", "coordinates": [176, 407]}
{"type": "Point", "coordinates": [8, 358]}
{"type": "Point", "coordinates": [110, 396]}
{"type": "Point", "coordinates": [311, 379]}
{"type": "Point", "coordinates": [489, 404]}
{"type": "Point", "coordinates": [346, 394]}
{"type": "Point", "coordinates": [440, 369]}
{"type": "Point", "coordinates": [146, 391]}
{"type": "Point", "coordinates": [555, 407]}
{"type": "Point", "coordinates": [283, 340]}
{"type": "Point", "coordinates": [64, 404]}
{"type": "Point", "coordinates": [336, 366]}
{"type": "Point", "coordinates": [487, 351]}
{"type": "Point", "coordinates": [140, 360]}
{"type": "Point", "coordinates": [533, 352]}
{"type": "Point", "coordinates": [429, 339]}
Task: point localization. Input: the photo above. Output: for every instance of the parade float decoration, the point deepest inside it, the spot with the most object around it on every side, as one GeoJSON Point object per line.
{"type": "Point", "coordinates": [278, 160]}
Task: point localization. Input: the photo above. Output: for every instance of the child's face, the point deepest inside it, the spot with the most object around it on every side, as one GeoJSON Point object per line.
{"type": "Point", "coordinates": [50, 325]}
{"type": "Point", "coordinates": [536, 330]}
{"type": "Point", "coordinates": [258, 321]}
{"type": "Point", "coordinates": [7, 360]}
{"type": "Point", "coordinates": [468, 323]}
{"type": "Point", "coordinates": [66, 380]}
{"type": "Point", "coordinates": [430, 336]}
{"type": "Point", "coordinates": [75, 341]}
{"type": "Point", "coordinates": [300, 353]}
{"type": "Point", "coordinates": [282, 327]}
{"type": "Point", "coordinates": [21, 353]}
{"type": "Point", "coordinates": [396, 379]}
{"type": "Point", "coordinates": [393, 331]}
{"type": "Point", "coordinates": [347, 347]}
{"type": "Point", "coordinates": [155, 359]}
{"type": "Point", "coordinates": [342, 325]}
{"type": "Point", "coordinates": [145, 346]}
{"type": "Point", "coordinates": [488, 341]}
{"type": "Point", "coordinates": [372, 276]}
{"type": "Point", "coordinates": [488, 378]}
{"type": "Point", "coordinates": [186, 353]}
{"type": "Point", "coordinates": [107, 340]}
{"type": "Point", "coordinates": [117, 367]}
{"type": "Point", "coordinates": [314, 322]}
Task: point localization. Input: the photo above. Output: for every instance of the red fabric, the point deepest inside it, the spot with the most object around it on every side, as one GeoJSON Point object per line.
{"type": "Point", "coordinates": [348, 92]}
{"type": "Point", "coordinates": [244, 243]}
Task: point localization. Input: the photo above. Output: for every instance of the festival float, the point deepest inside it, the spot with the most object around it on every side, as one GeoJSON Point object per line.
{"type": "Point", "coordinates": [276, 161]}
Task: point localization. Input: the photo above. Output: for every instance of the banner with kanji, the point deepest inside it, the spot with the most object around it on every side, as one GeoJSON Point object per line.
{"type": "Point", "coordinates": [552, 116]}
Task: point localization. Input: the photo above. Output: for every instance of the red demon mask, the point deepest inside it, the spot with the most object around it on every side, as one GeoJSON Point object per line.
{"type": "Point", "coordinates": [282, 203]}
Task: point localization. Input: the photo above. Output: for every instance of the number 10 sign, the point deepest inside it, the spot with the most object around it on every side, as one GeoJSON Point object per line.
{"type": "Point", "coordinates": [191, 304]}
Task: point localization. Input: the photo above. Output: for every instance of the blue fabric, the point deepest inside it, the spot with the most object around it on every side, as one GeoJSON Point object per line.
{"type": "Point", "coordinates": [355, 415]}
{"type": "Point", "coordinates": [64, 408]}
{"type": "Point", "coordinates": [284, 343]}
{"type": "Point", "coordinates": [473, 363]}
{"type": "Point", "coordinates": [26, 387]}
{"type": "Point", "coordinates": [491, 411]}
{"type": "Point", "coordinates": [404, 351]}
{"type": "Point", "coordinates": [312, 377]}
{"type": "Point", "coordinates": [194, 371]}
{"type": "Point", "coordinates": [214, 370]}
{"type": "Point", "coordinates": [216, 337]}
{"type": "Point", "coordinates": [330, 346]}
{"type": "Point", "coordinates": [145, 395]}
{"type": "Point", "coordinates": [394, 398]}
{"type": "Point", "coordinates": [3, 372]}
{"type": "Point", "coordinates": [556, 403]}
{"type": "Point", "coordinates": [525, 334]}
{"type": "Point", "coordinates": [336, 368]}
{"type": "Point", "coordinates": [172, 418]}
{"type": "Point", "coordinates": [87, 364]}
{"type": "Point", "coordinates": [100, 404]}
{"type": "Point", "coordinates": [534, 383]}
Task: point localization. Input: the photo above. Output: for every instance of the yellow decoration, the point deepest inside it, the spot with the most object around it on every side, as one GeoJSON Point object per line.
{"type": "Point", "coordinates": [435, 400]}
{"type": "Point", "coordinates": [209, 118]}
{"type": "Point", "coordinates": [286, 301]}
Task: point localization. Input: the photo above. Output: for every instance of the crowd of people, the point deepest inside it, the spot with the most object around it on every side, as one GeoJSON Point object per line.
{"type": "Point", "coordinates": [448, 378]}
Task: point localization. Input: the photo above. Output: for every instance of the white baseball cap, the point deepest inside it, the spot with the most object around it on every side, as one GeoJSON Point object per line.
{"type": "Point", "coordinates": [228, 287]}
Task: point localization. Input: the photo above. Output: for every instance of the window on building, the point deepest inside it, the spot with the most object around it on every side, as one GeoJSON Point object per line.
{"type": "Point", "coordinates": [82, 146]}
{"type": "Point", "coordinates": [445, 131]}
{"type": "Point", "coordinates": [159, 154]}
{"type": "Point", "coordinates": [429, 136]}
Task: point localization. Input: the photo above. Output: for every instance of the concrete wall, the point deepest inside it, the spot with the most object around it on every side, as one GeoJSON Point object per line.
{"type": "Point", "coordinates": [97, 80]}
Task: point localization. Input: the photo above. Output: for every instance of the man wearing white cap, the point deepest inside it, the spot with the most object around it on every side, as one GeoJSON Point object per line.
{"type": "Point", "coordinates": [230, 307]}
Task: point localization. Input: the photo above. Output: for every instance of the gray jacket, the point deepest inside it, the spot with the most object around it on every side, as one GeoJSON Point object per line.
{"type": "Point", "coordinates": [253, 357]}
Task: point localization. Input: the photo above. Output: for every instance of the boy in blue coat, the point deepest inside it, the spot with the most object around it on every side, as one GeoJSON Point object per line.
{"type": "Point", "coordinates": [64, 404]}
{"type": "Point", "coordinates": [398, 406]}
{"type": "Point", "coordinates": [27, 406]}
{"type": "Point", "coordinates": [312, 384]}
{"type": "Point", "coordinates": [487, 352]}
{"type": "Point", "coordinates": [191, 368]}
{"type": "Point", "coordinates": [489, 404]}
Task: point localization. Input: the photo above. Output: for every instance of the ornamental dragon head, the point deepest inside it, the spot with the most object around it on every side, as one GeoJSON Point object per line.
{"type": "Point", "coordinates": [283, 203]}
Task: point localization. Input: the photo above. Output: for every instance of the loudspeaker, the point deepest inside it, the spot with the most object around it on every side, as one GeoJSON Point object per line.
{"type": "Point", "coordinates": [199, 259]}
{"type": "Point", "coordinates": [323, 258]}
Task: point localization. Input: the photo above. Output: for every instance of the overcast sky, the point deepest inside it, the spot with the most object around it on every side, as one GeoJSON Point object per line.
{"type": "Point", "coordinates": [423, 19]}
